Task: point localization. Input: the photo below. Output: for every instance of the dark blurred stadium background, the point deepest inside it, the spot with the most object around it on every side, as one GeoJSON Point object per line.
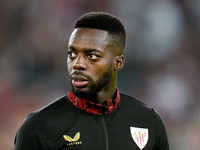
{"type": "Point", "coordinates": [162, 59]}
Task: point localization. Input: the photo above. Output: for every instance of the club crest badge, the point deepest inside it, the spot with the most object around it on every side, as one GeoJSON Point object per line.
{"type": "Point", "coordinates": [140, 136]}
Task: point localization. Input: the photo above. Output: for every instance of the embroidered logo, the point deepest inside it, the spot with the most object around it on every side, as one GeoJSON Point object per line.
{"type": "Point", "coordinates": [73, 141]}
{"type": "Point", "coordinates": [140, 136]}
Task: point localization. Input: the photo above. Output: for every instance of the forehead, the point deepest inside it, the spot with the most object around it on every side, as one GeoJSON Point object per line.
{"type": "Point", "coordinates": [89, 37]}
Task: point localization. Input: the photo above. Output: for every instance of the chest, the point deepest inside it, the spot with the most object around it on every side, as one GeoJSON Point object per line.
{"type": "Point", "coordinates": [102, 132]}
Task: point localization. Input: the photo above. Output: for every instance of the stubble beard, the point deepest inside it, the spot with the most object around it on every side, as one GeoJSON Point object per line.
{"type": "Point", "coordinates": [96, 87]}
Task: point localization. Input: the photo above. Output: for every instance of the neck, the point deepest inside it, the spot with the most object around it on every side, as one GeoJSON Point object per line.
{"type": "Point", "coordinates": [105, 94]}
{"type": "Point", "coordinates": [108, 92]}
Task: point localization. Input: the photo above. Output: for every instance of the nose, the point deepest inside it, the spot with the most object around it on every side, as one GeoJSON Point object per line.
{"type": "Point", "coordinates": [79, 63]}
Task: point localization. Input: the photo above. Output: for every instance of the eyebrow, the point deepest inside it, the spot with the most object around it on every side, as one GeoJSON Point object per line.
{"type": "Point", "coordinates": [71, 48]}
{"type": "Point", "coordinates": [89, 50]}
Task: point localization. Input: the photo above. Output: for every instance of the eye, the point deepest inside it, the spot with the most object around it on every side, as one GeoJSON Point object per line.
{"type": "Point", "coordinates": [93, 56]}
{"type": "Point", "coordinates": [71, 54]}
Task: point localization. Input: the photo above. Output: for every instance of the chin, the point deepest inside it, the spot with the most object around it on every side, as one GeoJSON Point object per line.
{"type": "Point", "coordinates": [84, 93]}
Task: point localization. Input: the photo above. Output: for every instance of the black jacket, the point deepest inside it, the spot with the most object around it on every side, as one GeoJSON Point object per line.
{"type": "Point", "coordinates": [62, 126]}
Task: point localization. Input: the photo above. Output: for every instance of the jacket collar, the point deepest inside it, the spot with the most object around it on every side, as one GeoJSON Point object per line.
{"type": "Point", "coordinates": [95, 108]}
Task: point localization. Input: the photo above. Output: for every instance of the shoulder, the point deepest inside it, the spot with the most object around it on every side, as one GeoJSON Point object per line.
{"type": "Point", "coordinates": [53, 105]}
{"type": "Point", "coordinates": [42, 114]}
{"type": "Point", "coordinates": [132, 106]}
{"type": "Point", "coordinates": [131, 102]}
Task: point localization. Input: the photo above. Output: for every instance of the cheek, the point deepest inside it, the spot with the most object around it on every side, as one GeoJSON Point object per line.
{"type": "Point", "coordinates": [69, 66]}
{"type": "Point", "coordinates": [100, 70]}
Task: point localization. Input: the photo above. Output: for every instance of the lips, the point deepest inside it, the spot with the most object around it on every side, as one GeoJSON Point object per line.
{"type": "Point", "coordinates": [79, 80]}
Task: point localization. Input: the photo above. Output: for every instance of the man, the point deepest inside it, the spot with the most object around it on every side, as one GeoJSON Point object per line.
{"type": "Point", "coordinates": [94, 115]}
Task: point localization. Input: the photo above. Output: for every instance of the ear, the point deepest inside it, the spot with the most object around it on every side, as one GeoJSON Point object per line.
{"type": "Point", "coordinates": [119, 62]}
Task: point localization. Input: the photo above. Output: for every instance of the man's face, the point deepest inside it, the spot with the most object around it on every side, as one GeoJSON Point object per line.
{"type": "Point", "coordinates": [90, 62]}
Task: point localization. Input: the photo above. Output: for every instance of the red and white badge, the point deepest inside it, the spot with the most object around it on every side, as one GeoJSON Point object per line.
{"type": "Point", "coordinates": [140, 136]}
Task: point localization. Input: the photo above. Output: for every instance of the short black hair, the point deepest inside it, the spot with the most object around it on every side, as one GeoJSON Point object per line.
{"type": "Point", "coordinates": [103, 21]}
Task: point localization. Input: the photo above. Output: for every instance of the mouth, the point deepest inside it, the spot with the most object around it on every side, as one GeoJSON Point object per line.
{"type": "Point", "coordinates": [79, 80]}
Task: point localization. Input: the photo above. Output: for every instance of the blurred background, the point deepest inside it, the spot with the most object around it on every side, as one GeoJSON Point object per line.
{"type": "Point", "coordinates": [162, 59]}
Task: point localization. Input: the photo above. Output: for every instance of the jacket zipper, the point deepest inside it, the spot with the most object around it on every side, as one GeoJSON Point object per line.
{"type": "Point", "coordinates": [105, 130]}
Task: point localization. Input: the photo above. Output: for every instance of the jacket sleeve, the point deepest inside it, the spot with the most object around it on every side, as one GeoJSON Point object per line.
{"type": "Point", "coordinates": [31, 134]}
{"type": "Point", "coordinates": [161, 134]}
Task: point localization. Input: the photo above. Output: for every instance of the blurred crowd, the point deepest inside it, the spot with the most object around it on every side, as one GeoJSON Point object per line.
{"type": "Point", "coordinates": [162, 59]}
